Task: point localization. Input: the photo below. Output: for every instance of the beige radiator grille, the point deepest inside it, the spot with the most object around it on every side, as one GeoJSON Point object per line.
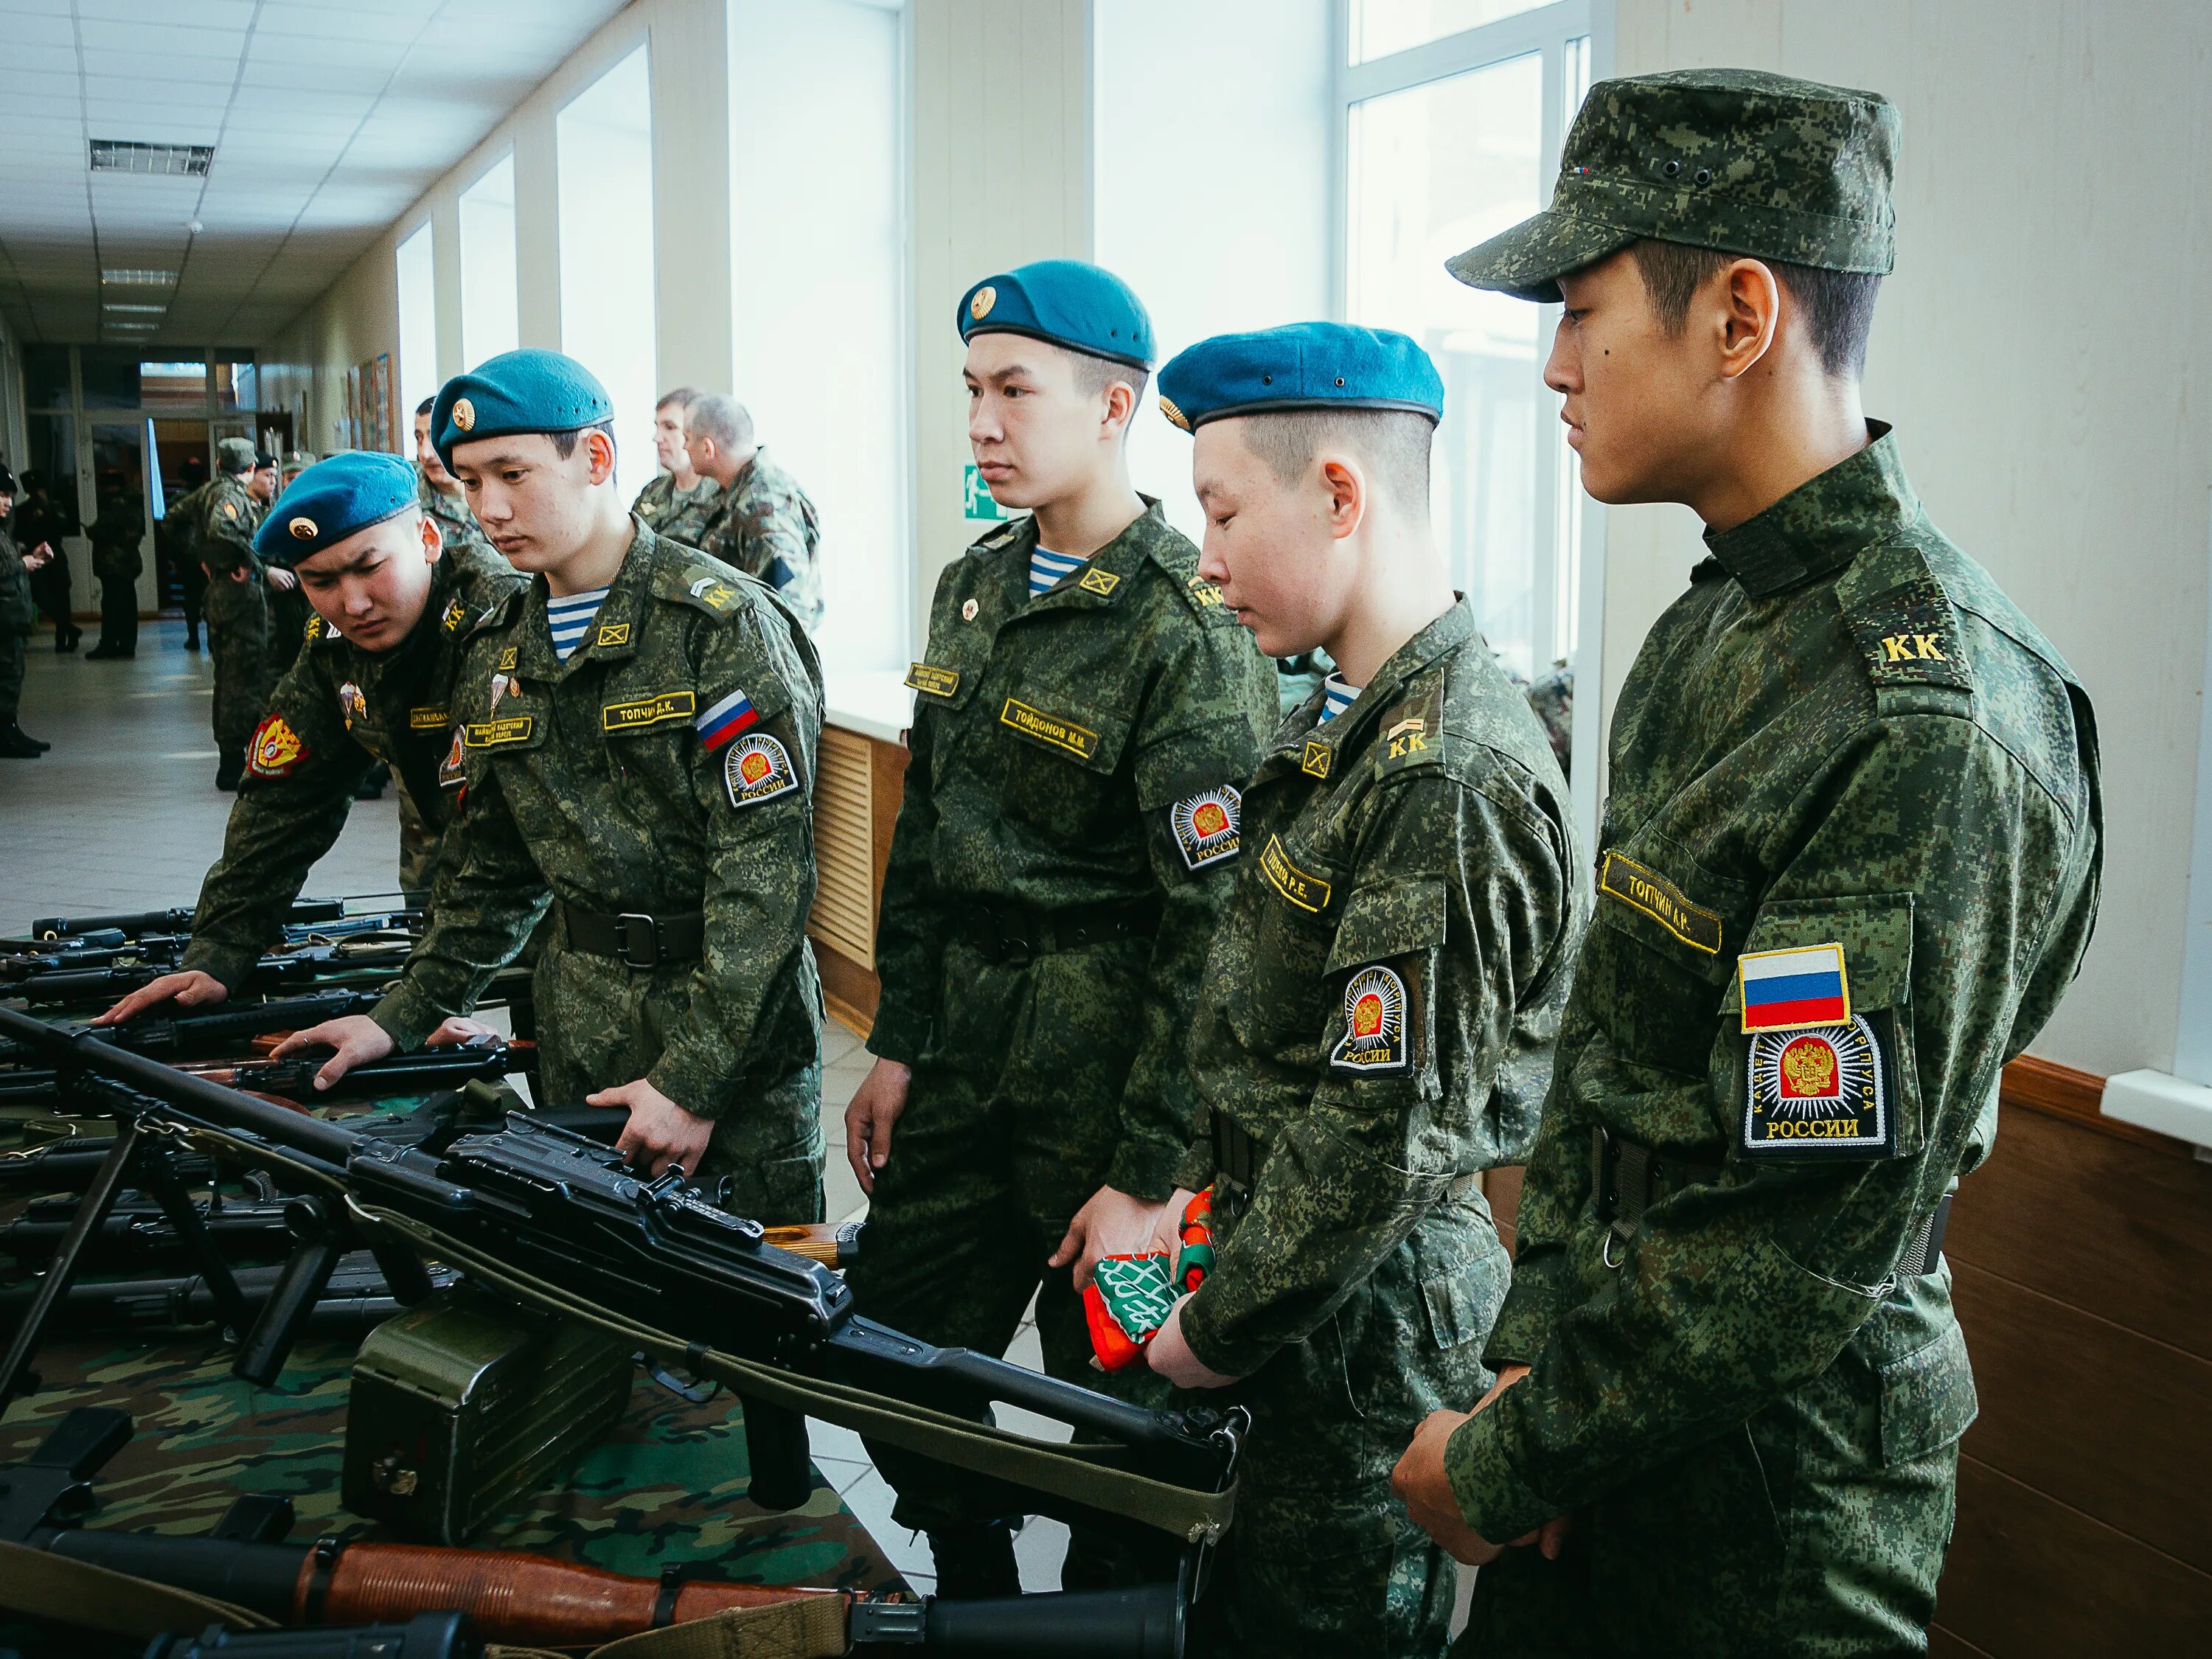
{"type": "Point", "coordinates": [844, 847]}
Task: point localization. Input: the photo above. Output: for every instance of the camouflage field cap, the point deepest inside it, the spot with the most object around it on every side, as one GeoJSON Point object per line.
{"type": "Point", "coordinates": [1735, 159]}
{"type": "Point", "coordinates": [234, 454]}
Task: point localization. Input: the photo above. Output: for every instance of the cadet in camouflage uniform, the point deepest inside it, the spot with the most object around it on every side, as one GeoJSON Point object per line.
{"type": "Point", "coordinates": [374, 683]}
{"type": "Point", "coordinates": [761, 523]}
{"type": "Point", "coordinates": [640, 747]}
{"type": "Point", "coordinates": [19, 620]}
{"type": "Point", "coordinates": [1850, 864]}
{"type": "Point", "coordinates": [237, 606]}
{"type": "Point", "coordinates": [1048, 903]}
{"type": "Point", "coordinates": [678, 503]}
{"type": "Point", "coordinates": [1374, 1025]}
{"type": "Point", "coordinates": [117, 559]}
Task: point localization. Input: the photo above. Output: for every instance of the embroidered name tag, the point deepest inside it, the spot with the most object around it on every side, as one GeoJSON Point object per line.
{"type": "Point", "coordinates": [929, 678]}
{"type": "Point", "coordinates": [1300, 887]}
{"type": "Point", "coordinates": [1818, 1094]}
{"type": "Point", "coordinates": [1647, 890]}
{"type": "Point", "coordinates": [489, 734]}
{"type": "Point", "coordinates": [429, 719]}
{"type": "Point", "coordinates": [1374, 1037]}
{"type": "Point", "coordinates": [648, 711]}
{"type": "Point", "coordinates": [1206, 825]}
{"type": "Point", "coordinates": [1078, 740]}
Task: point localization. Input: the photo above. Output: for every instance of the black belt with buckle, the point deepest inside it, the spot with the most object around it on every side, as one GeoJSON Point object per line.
{"type": "Point", "coordinates": [1007, 930]}
{"type": "Point", "coordinates": [1627, 1178]}
{"type": "Point", "coordinates": [634, 938]}
{"type": "Point", "coordinates": [1236, 1158]}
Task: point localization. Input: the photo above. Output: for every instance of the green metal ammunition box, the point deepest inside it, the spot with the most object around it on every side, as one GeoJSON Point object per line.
{"type": "Point", "coordinates": [464, 1404]}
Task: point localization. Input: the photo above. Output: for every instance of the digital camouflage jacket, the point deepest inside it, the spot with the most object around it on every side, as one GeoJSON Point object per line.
{"type": "Point", "coordinates": [1378, 1006]}
{"type": "Point", "coordinates": [223, 536]}
{"type": "Point", "coordinates": [665, 768]}
{"type": "Point", "coordinates": [1081, 748]}
{"type": "Point", "coordinates": [1849, 864]}
{"type": "Point", "coordinates": [764, 525]}
{"type": "Point", "coordinates": [337, 710]}
{"type": "Point", "coordinates": [679, 516]}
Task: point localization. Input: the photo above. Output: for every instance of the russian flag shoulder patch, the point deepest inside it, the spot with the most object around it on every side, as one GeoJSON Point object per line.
{"type": "Point", "coordinates": [1804, 986]}
{"type": "Point", "coordinates": [725, 720]}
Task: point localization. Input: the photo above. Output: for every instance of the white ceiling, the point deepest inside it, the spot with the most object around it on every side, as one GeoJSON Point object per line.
{"type": "Point", "coordinates": [329, 118]}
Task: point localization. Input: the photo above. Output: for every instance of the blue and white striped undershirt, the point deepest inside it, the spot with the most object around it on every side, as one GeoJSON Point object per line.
{"type": "Point", "coordinates": [569, 618]}
{"type": "Point", "coordinates": [1048, 570]}
{"type": "Point", "coordinates": [1336, 697]}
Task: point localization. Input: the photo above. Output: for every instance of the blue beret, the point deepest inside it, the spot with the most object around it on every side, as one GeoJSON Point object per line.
{"type": "Point", "coordinates": [1299, 365]}
{"type": "Point", "coordinates": [1066, 301]}
{"type": "Point", "coordinates": [528, 390]}
{"type": "Point", "coordinates": [332, 500]}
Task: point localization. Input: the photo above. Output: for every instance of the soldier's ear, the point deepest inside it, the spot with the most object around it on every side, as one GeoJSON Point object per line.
{"type": "Point", "coordinates": [434, 539]}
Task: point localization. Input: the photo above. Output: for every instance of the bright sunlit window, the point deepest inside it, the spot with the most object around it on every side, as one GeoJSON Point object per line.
{"type": "Point", "coordinates": [605, 140]}
{"type": "Point", "coordinates": [418, 325]}
{"type": "Point", "coordinates": [488, 318]}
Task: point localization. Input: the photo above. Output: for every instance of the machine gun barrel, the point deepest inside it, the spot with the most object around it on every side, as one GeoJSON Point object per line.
{"type": "Point", "coordinates": [133, 922]}
{"type": "Point", "coordinates": [356, 1299]}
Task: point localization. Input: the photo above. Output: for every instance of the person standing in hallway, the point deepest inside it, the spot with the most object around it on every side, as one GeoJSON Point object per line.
{"type": "Point", "coordinates": [176, 530]}
{"type": "Point", "coordinates": [42, 525]}
{"type": "Point", "coordinates": [1849, 863]}
{"type": "Point", "coordinates": [637, 731]}
{"type": "Point", "coordinates": [373, 684]}
{"type": "Point", "coordinates": [237, 605]}
{"type": "Point", "coordinates": [117, 535]}
{"type": "Point", "coordinates": [19, 620]}
{"type": "Point", "coordinates": [676, 504]}
{"type": "Point", "coordinates": [762, 522]}
{"type": "Point", "coordinates": [288, 609]}
{"type": "Point", "coordinates": [1086, 711]}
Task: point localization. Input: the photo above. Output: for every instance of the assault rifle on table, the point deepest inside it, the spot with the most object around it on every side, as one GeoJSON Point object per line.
{"type": "Point", "coordinates": [289, 969]}
{"type": "Point", "coordinates": [186, 1035]}
{"type": "Point", "coordinates": [294, 1078]}
{"type": "Point", "coordinates": [306, 913]}
{"type": "Point", "coordinates": [555, 1219]}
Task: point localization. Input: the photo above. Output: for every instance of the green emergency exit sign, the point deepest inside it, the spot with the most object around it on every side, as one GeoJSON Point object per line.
{"type": "Point", "coordinates": [976, 500]}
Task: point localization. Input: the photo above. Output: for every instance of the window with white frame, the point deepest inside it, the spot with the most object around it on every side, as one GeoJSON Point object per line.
{"type": "Point", "coordinates": [490, 322]}
{"type": "Point", "coordinates": [417, 273]}
{"type": "Point", "coordinates": [1453, 113]}
{"type": "Point", "coordinates": [605, 138]}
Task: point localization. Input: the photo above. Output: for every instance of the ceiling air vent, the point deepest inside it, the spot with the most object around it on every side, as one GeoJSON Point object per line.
{"type": "Point", "coordinates": [157, 161]}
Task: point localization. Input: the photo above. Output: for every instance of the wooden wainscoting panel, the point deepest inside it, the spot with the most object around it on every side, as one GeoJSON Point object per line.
{"type": "Point", "coordinates": [2030, 1578]}
{"type": "Point", "coordinates": [2112, 1423]}
{"type": "Point", "coordinates": [844, 914]}
{"type": "Point", "coordinates": [2095, 1221]}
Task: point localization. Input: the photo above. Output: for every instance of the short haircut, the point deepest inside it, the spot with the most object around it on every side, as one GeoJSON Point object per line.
{"type": "Point", "coordinates": [1393, 443]}
{"type": "Point", "coordinates": [1839, 304]}
{"type": "Point", "coordinates": [1093, 374]}
{"type": "Point", "coordinates": [564, 443]}
{"type": "Point", "coordinates": [725, 420]}
{"type": "Point", "coordinates": [683, 397]}
{"type": "Point", "coordinates": [426, 405]}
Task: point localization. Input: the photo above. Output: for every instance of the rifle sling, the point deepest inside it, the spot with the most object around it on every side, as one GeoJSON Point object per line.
{"type": "Point", "coordinates": [1080, 1473]}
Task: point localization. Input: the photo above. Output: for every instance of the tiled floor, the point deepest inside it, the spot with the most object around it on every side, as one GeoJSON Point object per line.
{"type": "Point", "coordinates": [124, 815]}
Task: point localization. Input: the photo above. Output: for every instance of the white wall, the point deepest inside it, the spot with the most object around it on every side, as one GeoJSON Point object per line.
{"type": "Point", "coordinates": [2046, 352]}
{"type": "Point", "coordinates": [1210, 187]}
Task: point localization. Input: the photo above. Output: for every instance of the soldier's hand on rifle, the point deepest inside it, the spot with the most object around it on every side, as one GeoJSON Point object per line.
{"type": "Point", "coordinates": [1425, 1488]}
{"type": "Point", "coordinates": [659, 1132]}
{"type": "Point", "coordinates": [1110, 1223]}
{"type": "Point", "coordinates": [192, 989]}
{"type": "Point", "coordinates": [357, 1038]}
{"type": "Point", "coordinates": [875, 1107]}
{"type": "Point", "coordinates": [1170, 1356]}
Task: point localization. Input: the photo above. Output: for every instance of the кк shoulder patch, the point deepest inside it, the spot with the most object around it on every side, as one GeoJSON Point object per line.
{"type": "Point", "coordinates": [758, 768]}
{"type": "Point", "coordinates": [1909, 635]}
{"type": "Point", "coordinates": [1818, 1094]}
{"type": "Point", "coordinates": [1208, 825]}
{"type": "Point", "coordinates": [1374, 1037]}
{"type": "Point", "coordinates": [708, 591]}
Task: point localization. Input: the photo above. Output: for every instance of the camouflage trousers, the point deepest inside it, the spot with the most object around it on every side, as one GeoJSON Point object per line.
{"type": "Point", "coordinates": [601, 1023]}
{"type": "Point", "coordinates": [237, 636]}
{"type": "Point", "coordinates": [14, 660]}
{"type": "Point", "coordinates": [418, 843]}
{"type": "Point", "coordinates": [1011, 1120]}
{"type": "Point", "coordinates": [1815, 1530]}
{"type": "Point", "coordinates": [1323, 1560]}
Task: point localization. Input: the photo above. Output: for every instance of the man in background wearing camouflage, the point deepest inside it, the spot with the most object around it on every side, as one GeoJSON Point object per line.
{"type": "Point", "coordinates": [761, 523]}
{"type": "Point", "coordinates": [1083, 702]}
{"type": "Point", "coordinates": [440, 492]}
{"type": "Point", "coordinates": [287, 607]}
{"type": "Point", "coordinates": [678, 500]}
{"type": "Point", "coordinates": [237, 605]}
{"type": "Point", "coordinates": [1375, 1022]}
{"type": "Point", "coordinates": [373, 685]}
{"type": "Point", "coordinates": [116, 535]}
{"type": "Point", "coordinates": [19, 620]}
{"type": "Point", "coordinates": [1850, 864]}
{"type": "Point", "coordinates": [637, 738]}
